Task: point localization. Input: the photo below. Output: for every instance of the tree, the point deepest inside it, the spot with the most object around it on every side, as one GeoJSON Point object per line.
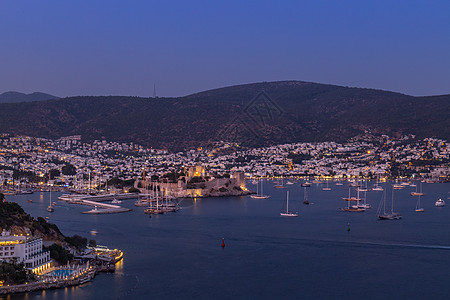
{"type": "Point", "coordinates": [69, 169]}
{"type": "Point", "coordinates": [54, 173]}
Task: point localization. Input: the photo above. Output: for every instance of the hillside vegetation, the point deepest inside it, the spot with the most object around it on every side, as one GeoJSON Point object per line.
{"type": "Point", "coordinates": [287, 111]}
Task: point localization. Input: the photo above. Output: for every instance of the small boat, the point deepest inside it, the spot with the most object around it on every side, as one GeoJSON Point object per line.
{"type": "Point", "coordinates": [439, 203]}
{"type": "Point", "coordinates": [30, 201]}
{"type": "Point", "coordinates": [339, 183]}
{"type": "Point", "coordinates": [289, 182]}
{"type": "Point", "coordinates": [94, 232]}
{"type": "Point", "coordinates": [115, 201]}
{"type": "Point", "coordinates": [306, 184]}
{"type": "Point", "coordinates": [288, 213]}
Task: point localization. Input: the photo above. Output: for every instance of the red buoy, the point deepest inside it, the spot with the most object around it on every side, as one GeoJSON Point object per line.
{"type": "Point", "coordinates": [223, 243]}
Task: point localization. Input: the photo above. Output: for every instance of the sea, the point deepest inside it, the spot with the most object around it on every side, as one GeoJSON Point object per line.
{"type": "Point", "coordinates": [324, 253]}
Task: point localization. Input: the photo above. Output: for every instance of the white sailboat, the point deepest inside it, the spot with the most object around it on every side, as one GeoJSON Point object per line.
{"type": "Point", "coordinates": [259, 195]}
{"type": "Point", "coordinates": [50, 207]}
{"type": "Point", "coordinates": [355, 207]}
{"type": "Point", "coordinates": [288, 213]}
{"type": "Point", "coordinates": [418, 208]}
{"type": "Point", "coordinates": [327, 188]}
{"type": "Point", "coordinates": [279, 184]}
{"type": "Point", "coordinates": [418, 192]}
{"type": "Point", "coordinates": [365, 205]}
{"type": "Point", "coordinates": [388, 216]}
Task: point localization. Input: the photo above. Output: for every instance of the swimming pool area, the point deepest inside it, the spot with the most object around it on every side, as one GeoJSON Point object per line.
{"type": "Point", "coordinates": [61, 273]}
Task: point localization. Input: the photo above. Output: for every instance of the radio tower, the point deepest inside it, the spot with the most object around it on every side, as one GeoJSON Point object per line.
{"type": "Point", "coordinates": [154, 91]}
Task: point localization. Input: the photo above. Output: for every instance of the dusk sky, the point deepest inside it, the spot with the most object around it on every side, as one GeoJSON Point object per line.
{"type": "Point", "coordinates": [70, 48]}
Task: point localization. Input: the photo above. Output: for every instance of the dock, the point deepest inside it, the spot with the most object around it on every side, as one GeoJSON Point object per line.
{"type": "Point", "coordinates": [96, 202]}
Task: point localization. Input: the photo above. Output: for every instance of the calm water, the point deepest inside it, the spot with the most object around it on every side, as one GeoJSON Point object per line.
{"type": "Point", "coordinates": [178, 255]}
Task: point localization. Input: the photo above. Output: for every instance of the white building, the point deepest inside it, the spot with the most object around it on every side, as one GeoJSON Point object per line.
{"type": "Point", "coordinates": [24, 249]}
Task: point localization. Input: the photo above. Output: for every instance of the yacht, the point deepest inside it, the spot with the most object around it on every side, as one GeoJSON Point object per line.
{"type": "Point", "coordinates": [439, 203]}
{"type": "Point", "coordinates": [288, 213]}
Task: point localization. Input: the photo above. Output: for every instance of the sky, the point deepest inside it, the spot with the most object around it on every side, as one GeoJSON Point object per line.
{"type": "Point", "coordinates": [91, 47]}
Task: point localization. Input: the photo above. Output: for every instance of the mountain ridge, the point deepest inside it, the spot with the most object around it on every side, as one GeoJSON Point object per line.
{"type": "Point", "coordinates": [15, 97]}
{"type": "Point", "coordinates": [257, 114]}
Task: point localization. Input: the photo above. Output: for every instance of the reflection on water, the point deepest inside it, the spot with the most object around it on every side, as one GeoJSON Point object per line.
{"type": "Point", "coordinates": [178, 255]}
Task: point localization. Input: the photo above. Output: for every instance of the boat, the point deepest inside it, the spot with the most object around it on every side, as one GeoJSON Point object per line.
{"type": "Point", "coordinates": [305, 196]}
{"type": "Point", "coordinates": [377, 187]}
{"type": "Point", "coordinates": [364, 205]}
{"type": "Point", "coordinates": [259, 195]}
{"type": "Point", "coordinates": [387, 216]}
{"type": "Point", "coordinates": [30, 201]}
{"type": "Point", "coordinates": [306, 184]}
{"type": "Point", "coordinates": [418, 193]}
{"type": "Point", "coordinates": [288, 213]}
{"type": "Point", "coordinates": [115, 201]}
{"type": "Point", "coordinates": [254, 181]}
{"type": "Point", "coordinates": [439, 203]}
{"type": "Point", "coordinates": [339, 183]}
{"type": "Point", "coordinates": [50, 207]}
{"type": "Point", "coordinates": [418, 208]}
{"type": "Point", "coordinates": [355, 207]}
{"type": "Point", "coordinates": [279, 184]}
{"type": "Point", "coordinates": [289, 182]}
{"type": "Point", "coordinates": [327, 188]}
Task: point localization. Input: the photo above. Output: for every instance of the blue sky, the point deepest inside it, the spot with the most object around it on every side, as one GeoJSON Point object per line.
{"type": "Point", "coordinates": [91, 47]}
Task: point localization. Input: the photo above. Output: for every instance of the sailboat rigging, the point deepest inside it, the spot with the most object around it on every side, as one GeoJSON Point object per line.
{"type": "Point", "coordinates": [288, 213]}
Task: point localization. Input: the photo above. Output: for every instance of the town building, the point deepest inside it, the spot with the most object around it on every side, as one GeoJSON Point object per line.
{"type": "Point", "coordinates": [23, 249]}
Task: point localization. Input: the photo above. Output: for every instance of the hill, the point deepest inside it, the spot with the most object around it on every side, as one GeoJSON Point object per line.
{"type": "Point", "coordinates": [256, 114]}
{"type": "Point", "coordinates": [14, 97]}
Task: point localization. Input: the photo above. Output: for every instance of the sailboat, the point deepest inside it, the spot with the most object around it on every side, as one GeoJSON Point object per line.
{"type": "Point", "coordinates": [305, 196]}
{"type": "Point", "coordinates": [418, 193]}
{"type": "Point", "coordinates": [353, 208]}
{"type": "Point", "coordinates": [327, 188]}
{"type": "Point", "coordinates": [50, 207]}
{"type": "Point", "coordinates": [388, 216]}
{"type": "Point", "coordinates": [279, 184]}
{"type": "Point", "coordinates": [418, 208]}
{"type": "Point", "coordinates": [365, 204]}
{"type": "Point", "coordinates": [288, 213]}
{"type": "Point", "coordinates": [259, 195]}
{"type": "Point", "coordinates": [377, 187]}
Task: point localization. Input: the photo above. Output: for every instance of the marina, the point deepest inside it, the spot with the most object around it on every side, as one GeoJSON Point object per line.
{"type": "Point", "coordinates": [180, 249]}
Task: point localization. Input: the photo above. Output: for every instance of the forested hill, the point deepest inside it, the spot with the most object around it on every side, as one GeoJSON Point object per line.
{"type": "Point", "coordinates": [252, 114]}
{"type": "Point", "coordinates": [14, 97]}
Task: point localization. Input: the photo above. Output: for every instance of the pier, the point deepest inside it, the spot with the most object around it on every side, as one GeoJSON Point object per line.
{"type": "Point", "coordinates": [96, 202]}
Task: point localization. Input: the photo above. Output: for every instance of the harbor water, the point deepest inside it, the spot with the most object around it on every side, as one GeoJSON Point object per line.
{"type": "Point", "coordinates": [324, 253]}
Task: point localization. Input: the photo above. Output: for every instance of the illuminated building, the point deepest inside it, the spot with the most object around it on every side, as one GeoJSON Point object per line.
{"type": "Point", "coordinates": [25, 250]}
